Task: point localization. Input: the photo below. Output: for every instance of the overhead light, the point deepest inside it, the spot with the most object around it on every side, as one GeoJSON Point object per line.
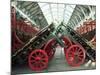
{"type": "Point", "coordinates": [40, 17]}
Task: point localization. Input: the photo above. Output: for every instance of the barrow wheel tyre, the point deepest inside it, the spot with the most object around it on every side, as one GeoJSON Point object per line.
{"type": "Point", "coordinates": [38, 60]}
{"type": "Point", "coordinates": [67, 42]}
{"type": "Point", "coordinates": [50, 48]}
{"type": "Point", "coordinates": [75, 55]}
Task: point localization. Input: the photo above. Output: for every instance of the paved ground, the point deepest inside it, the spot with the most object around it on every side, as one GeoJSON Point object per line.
{"type": "Point", "coordinates": [58, 63]}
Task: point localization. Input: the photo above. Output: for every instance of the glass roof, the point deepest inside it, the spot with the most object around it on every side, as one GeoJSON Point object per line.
{"type": "Point", "coordinates": [57, 13]}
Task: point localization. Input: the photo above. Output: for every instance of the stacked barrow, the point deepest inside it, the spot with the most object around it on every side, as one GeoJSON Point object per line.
{"type": "Point", "coordinates": [28, 44]}
{"type": "Point", "coordinates": [37, 49]}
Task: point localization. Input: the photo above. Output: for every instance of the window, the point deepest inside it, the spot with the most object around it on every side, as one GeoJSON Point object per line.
{"type": "Point", "coordinates": [56, 13]}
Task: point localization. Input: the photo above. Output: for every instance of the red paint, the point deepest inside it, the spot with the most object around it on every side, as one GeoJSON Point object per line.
{"type": "Point", "coordinates": [38, 60]}
{"type": "Point", "coordinates": [75, 55]}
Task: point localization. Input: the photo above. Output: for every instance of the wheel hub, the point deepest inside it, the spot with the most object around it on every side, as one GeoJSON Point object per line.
{"type": "Point", "coordinates": [38, 59]}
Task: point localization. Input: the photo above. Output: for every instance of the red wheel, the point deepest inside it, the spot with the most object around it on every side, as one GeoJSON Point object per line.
{"type": "Point", "coordinates": [67, 43]}
{"type": "Point", "coordinates": [75, 55]}
{"type": "Point", "coordinates": [49, 48]}
{"type": "Point", "coordinates": [38, 60]}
